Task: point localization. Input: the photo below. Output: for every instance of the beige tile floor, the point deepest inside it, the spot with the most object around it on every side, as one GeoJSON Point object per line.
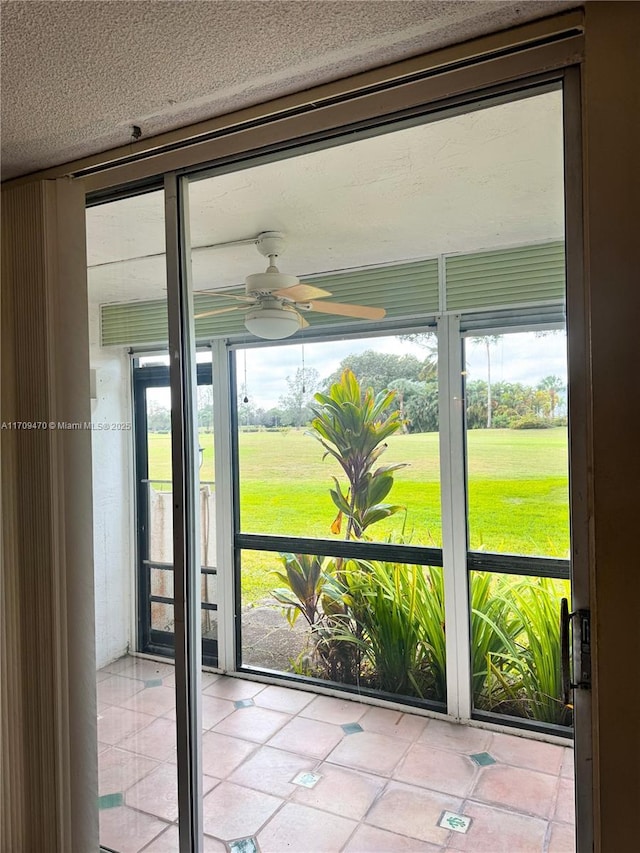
{"type": "Point", "coordinates": [382, 789]}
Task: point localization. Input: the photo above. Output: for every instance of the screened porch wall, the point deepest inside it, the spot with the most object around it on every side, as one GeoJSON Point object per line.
{"type": "Point", "coordinates": [531, 275]}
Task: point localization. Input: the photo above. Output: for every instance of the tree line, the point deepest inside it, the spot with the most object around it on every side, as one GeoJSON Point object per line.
{"type": "Point", "coordinates": [488, 405]}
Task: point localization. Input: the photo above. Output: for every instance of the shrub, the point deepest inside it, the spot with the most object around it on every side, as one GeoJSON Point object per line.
{"type": "Point", "coordinates": [501, 421]}
{"type": "Point", "coordinates": [515, 640]}
{"type": "Point", "coordinates": [530, 422]}
{"type": "Point", "coordinates": [400, 611]}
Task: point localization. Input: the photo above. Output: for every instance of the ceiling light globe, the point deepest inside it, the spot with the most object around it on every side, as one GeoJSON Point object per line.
{"type": "Point", "coordinates": [272, 323]}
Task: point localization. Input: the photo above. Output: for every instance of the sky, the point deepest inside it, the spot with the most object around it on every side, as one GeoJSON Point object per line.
{"type": "Point", "coordinates": [516, 357]}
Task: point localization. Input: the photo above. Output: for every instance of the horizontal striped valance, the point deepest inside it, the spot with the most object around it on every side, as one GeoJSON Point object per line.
{"type": "Point", "coordinates": [405, 290]}
{"type": "Point", "coordinates": [497, 279]}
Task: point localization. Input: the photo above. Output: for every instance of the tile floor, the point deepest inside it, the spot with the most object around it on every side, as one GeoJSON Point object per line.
{"type": "Point", "coordinates": [286, 770]}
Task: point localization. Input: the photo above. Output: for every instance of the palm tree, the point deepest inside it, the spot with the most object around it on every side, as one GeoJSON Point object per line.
{"type": "Point", "coordinates": [488, 340]}
{"type": "Point", "coordinates": [552, 385]}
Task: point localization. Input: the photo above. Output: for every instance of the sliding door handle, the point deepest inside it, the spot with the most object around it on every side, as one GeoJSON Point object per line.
{"type": "Point", "coordinates": [581, 642]}
{"type": "Point", "coordinates": [565, 650]}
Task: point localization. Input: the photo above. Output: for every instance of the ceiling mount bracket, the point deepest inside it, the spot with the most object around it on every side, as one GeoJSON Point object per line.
{"type": "Point", "coordinates": [270, 243]}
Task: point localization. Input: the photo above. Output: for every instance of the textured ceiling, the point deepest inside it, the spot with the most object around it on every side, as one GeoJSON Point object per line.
{"type": "Point", "coordinates": [77, 75]}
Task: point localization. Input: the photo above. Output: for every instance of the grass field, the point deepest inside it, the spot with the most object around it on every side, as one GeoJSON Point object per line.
{"type": "Point", "coordinates": [518, 491]}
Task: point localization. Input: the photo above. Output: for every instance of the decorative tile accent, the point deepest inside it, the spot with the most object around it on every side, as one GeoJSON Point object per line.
{"type": "Point", "coordinates": [351, 728]}
{"type": "Point", "coordinates": [243, 703]}
{"type": "Point", "coordinates": [498, 829]}
{"type": "Point", "coordinates": [110, 801]}
{"type": "Point", "coordinates": [153, 682]}
{"type": "Point", "coordinates": [243, 845]}
{"type": "Point", "coordinates": [482, 759]}
{"type": "Point", "coordinates": [307, 779]}
{"type": "Point", "coordinates": [456, 822]}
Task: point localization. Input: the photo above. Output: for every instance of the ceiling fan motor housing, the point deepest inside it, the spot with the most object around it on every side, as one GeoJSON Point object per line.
{"type": "Point", "coordinates": [267, 282]}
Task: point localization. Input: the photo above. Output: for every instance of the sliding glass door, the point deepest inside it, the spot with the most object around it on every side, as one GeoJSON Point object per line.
{"type": "Point", "coordinates": [362, 485]}
{"type": "Point", "coordinates": [326, 298]}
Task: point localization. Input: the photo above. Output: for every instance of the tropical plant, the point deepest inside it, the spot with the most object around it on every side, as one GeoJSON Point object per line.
{"type": "Point", "coordinates": [352, 425]}
{"type": "Point", "coordinates": [553, 386]}
{"type": "Point", "coordinates": [417, 404]}
{"type": "Point", "coordinates": [516, 647]}
{"type": "Point", "coordinates": [535, 603]}
{"type": "Point", "coordinates": [304, 582]}
{"type": "Point", "coordinates": [530, 422]}
{"type": "Point", "coordinates": [493, 636]}
{"type": "Point", "coordinates": [400, 611]}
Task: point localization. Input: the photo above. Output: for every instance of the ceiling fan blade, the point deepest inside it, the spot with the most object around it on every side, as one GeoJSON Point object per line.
{"type": "Point", "coordinates": [303, 322]}
{"type": "Point", "coordinates": [219, 311]}
{"type": "Point", "coordinates": [362, 312]}
{"type": "Point", "coordinates": [301, 293]}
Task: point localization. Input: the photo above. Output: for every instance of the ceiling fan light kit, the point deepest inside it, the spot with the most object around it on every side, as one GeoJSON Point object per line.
{"type": "Point", "coordinates": [276, 299]}
{"type": "Point", "coordinates": [272, 323]}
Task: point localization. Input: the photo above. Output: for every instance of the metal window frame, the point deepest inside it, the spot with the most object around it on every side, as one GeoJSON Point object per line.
{"type": "Point", "coordinates": [506, 63]}
{"type": "Point", "coordinates": [150, 640]}
{"type": "Point", "coordinates": [580, 434]}
{"type": "Point", "coordinates": [186, 540]}
{"type": "Point", "coordinates": [453, 492]}
{"type": "Point", "coordinates": [516, 564]}
{"type": "Point", "coordinates": [414, 555]}
{"type": "Point", "coordinates": [455, 557]}
{"type": "Point", "coordinates": [225, 502]}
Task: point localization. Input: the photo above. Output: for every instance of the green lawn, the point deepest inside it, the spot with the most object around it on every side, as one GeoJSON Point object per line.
{"type": "Point", "coordinates": [518, 492]}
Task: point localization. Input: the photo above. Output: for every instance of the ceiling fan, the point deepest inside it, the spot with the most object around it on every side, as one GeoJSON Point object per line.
{"type": "Point", "coordinates": [274, 301]}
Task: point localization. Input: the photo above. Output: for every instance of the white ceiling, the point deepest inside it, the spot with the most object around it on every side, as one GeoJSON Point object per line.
{"type": "Point", "coordinates": [489, 178]}
{"type": "Point", "coordinates": [77, 75]}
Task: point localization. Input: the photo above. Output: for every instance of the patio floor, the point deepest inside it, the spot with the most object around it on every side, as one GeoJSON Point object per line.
{"type": "Point", "coordinates": [386, 778]}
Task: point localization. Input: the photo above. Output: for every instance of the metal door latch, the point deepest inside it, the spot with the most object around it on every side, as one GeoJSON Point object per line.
{"type": "Point", "coordinates": [580, 620]}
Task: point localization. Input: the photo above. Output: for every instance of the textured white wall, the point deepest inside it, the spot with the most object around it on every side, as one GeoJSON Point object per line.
{"type": "Point", "coordinates": [112, 463]}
